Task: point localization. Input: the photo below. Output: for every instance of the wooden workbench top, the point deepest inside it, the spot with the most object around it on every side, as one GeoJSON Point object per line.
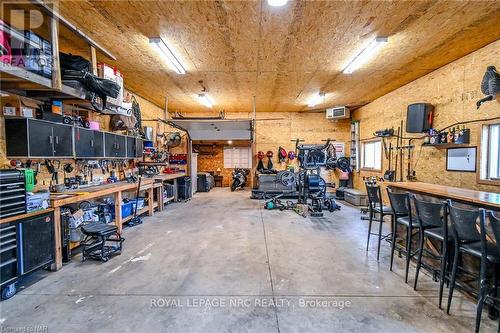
{"type": "Point", "coordinates": [26, 215]}
{"type": "Point", "coordinates": [479, 198]}
{"type": "Point", "coordinates": [69, 197]}
{"type": "Point", "coordinates": [168, 176]}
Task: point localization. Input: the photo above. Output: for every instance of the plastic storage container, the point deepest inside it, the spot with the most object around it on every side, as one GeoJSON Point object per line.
{"type": "Point", "coordinates": [126, 210]}
{"type": "Point", "coordinates": [355, 197]}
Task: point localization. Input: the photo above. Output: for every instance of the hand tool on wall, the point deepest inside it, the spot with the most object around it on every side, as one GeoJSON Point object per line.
{"type": "Point", "coordinates": [390, 173]}
{"type": "Point", "coordinates": [396, 153]}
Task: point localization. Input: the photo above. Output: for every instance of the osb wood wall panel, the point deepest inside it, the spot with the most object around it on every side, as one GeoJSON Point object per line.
{"type": "Point", "coordinates": [453, 90]}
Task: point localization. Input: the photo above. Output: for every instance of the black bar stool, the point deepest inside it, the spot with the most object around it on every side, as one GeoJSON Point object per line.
{"type": "Point", "coordinates": [401, 211]}
{"type": "Point", "coordinates": [466, 239]}
{"type": "Point", "coordinates": [376, 206]}
{"type": "Point", "coordinates": [433, 225]}
{"type": "Point", "coordinates": [490, 256]}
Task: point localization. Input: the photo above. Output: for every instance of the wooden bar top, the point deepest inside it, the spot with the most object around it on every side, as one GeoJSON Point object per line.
{"type": "Point", "coordinates": [69, 197]}
{"type": "Point", "coordinates": [478, 198]}
{"type": "Point", "coordinates": [26, 215]}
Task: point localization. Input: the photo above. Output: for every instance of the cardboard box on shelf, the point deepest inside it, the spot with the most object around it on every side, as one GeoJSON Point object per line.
{"type": "Point", "coordinates": [27, 112]}
{"type": "Point", "coordinates": [108, 72]}
{"type": "Point", "coordinates": [9, 110]}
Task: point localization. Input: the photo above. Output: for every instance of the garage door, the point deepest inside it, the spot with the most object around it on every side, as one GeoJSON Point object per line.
{"type": "Point", "coordinates": [215, 129]}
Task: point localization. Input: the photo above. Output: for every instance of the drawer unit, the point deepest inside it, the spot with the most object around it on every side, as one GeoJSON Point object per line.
{"type": "Point", "coordinates": [26, 245]}
{"type": "Point", "coordinates": [8, 253]}
{"type": "Point", "coordinates": [12, 193]}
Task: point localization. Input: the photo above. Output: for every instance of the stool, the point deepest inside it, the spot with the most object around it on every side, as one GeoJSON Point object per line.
{"type": "Point", "coordinates": [466, 239]}
{"type": "Point", "coordinates": [375, 206]}
{"type": "Point", "coordinates": [433, 225]}
{"type": "Point", "coordinates": [402, 215]}
{"type": "Point", "coordinates": [490, 256]}
{"type": "Point", "coordinates": [97, 238]}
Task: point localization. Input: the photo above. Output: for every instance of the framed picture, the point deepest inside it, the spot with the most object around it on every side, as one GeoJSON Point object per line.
{"type": "Point", "coordinates": [461, 159]}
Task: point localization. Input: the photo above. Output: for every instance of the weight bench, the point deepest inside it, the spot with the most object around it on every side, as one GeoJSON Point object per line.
{"type": "Point", "coordinates": [101, 241]}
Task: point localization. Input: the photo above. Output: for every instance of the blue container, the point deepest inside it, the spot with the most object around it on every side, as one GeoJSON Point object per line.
{"type": "Point", "coordinates": [126, 210]}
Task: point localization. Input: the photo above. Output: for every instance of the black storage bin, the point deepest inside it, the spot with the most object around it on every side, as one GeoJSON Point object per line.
{"type": "Point", "coordinates": [203, 182]}
{"type": "Point", "coordinates": [169, 190]}
{"type": "Point", "coordinates": [184, 188]}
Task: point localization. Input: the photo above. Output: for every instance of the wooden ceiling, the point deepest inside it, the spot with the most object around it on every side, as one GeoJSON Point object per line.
{"type": "Point", "coordinates": [281, 55]}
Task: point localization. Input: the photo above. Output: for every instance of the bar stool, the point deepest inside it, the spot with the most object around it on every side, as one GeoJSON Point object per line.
{"type": "Point", "coordinates": [401, 211]}
{"type": "Point", "coordinates": [466, 239]}
{"type": "Point", "coordinates": [376, 206]}
{"type": "Point", "coordinates": [490, 255]}
{"type": "Point", "coordinates": [433, 225]}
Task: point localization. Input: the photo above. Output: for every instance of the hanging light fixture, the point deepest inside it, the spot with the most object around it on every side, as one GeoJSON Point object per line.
{"type": "Point", "coordinates": [365, 55]}
{"type": "Point", "coordinates": [315, 99]}
{"type": "Point", "coordinates": [205, 100]}
{"type": "Point", "coordinates": [276, 3]}
{"type": "Point", "coordinates": [167, 54]}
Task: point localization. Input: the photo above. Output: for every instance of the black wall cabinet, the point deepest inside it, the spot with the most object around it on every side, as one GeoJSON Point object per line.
{"type": "Point", "coordinates": [88, 143]}
{"type": "Point", "coordinates": [36, 138]}
{"type": "Point", "coordinates": [115, 145]}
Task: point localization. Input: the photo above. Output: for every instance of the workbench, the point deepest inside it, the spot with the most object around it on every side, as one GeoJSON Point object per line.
{"type": "Point", "coordinates": [481, 199]}
{"type": "Point", "coordinates": [89, 193]}
{"type": "Point", "coordinates": [170, 177]}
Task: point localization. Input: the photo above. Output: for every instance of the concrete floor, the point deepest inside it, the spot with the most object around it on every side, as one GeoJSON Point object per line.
{"type": "Point", "coordinates": [217, 262]}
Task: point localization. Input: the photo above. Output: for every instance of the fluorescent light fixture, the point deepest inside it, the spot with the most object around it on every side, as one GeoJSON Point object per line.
{"type": "Point", "coordinates": [205, 100]}
{"type": "Point", "coordinates": [277, 3]}
{"type": "Point", "coordinates": [168, 55]}
{"type": "Point", "coordinates": [315, 99]}
{"type": "Point", "coordinates": [366, 54]}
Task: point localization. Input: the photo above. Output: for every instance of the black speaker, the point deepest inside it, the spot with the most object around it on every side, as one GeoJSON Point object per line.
{"type": "Point", "coordinates": [419, 117]}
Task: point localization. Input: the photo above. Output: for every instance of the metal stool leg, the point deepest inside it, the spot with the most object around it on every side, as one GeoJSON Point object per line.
{"type": "Point", "coordinates": [369, 229]}
{"type": "Point", "coordinates": [444, 259]}
{"type": "Point", "coordinates": [380, 235]}
{"type": "Point", "coordinates": [453, 277]}
{"type": "Point", "coordinates": [394, 235]}
{"type": "Point", "coordinates": [419, 260]}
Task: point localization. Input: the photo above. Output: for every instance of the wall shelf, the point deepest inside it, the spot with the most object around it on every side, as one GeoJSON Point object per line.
{"type": "Point", "coordinates": [446, 145]}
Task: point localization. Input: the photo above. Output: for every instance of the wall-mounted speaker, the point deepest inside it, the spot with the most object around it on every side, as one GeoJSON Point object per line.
{"type": "Point", "coordinates": [419, 117]}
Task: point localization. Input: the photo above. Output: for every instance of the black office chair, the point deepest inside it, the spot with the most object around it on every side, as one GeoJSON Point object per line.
{"type": "Point", "coordinates": [401, 211]}
{"type": "Point", "coordinates": [376, 207]}
{"type": "Point", "coordinates": [466, 239]}
{"type": "Point", "coordinates": [490, 256]}
{"type": "Point", "coordinates": [433, 225]}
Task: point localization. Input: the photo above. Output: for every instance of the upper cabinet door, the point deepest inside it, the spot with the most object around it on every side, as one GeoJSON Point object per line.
{"type": "Point", "coordinates": [63, 140]}
{"type": "Point", "coordinates": [109, 145]}
{"type": "Point", "coordinates": [121, 146]}
{"type": "Point", "coordinates": [138, 147]}
{"type": "Point", "coordinates": [40, 139]}
{"type": "Point", "coordinates": [130, 147]}
{"type": "Point", "coordinates": [98, 144]}
{"type": "Point", "coordinates": [84, 142]}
